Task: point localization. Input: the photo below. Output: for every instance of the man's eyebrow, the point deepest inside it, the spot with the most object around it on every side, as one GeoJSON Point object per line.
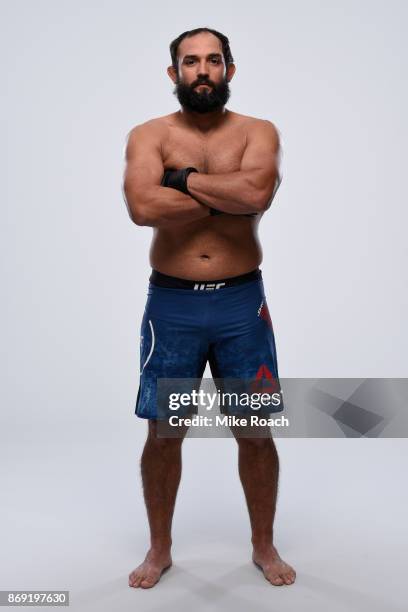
{"type": "Point", "coordinates": [190, 56]}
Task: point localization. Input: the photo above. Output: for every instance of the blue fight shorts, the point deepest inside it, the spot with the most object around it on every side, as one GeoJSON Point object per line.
{"type": "Point", "coordinates": [187, 323]}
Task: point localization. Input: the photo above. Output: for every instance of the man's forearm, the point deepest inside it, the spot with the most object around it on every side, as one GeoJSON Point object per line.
{"type": "Point", "coordinates": [233, 192]}
{"type": "Point", "coordinates": [163, 206]}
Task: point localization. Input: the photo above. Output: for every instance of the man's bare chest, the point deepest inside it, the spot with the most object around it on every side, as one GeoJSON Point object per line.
{"type": "Point", "coordinates": [213, 155]}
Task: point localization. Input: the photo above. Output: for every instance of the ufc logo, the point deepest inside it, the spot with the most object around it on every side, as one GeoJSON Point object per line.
{"type": "Point", "coordinates": [209, 286]}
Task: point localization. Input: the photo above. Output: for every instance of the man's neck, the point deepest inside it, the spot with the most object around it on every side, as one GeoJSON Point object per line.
{"type": "Point", "coordinates": [204, 122]}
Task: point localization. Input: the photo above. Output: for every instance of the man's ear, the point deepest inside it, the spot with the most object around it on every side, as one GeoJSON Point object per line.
{"type": "Point", "coordinates": [171, 71]}
{"type": "Point", "coordinates": [230, 71]}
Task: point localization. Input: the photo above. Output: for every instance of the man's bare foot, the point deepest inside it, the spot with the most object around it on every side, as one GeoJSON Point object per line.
{"type": "Point", "coordinates": [148, 573]}
{"type": "Point", "coordinates": [275, 570]}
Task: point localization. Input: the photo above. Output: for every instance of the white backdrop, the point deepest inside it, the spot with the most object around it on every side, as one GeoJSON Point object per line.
{"type": "Point", "coordinates": [77, 76]}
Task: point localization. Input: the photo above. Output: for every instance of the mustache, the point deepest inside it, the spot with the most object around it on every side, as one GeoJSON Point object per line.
{"type": "Point", "coordinates": [202, 82]}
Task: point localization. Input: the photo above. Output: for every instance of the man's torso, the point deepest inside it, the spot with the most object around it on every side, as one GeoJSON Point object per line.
{"type": "Point", "coordinates": [218, 246]}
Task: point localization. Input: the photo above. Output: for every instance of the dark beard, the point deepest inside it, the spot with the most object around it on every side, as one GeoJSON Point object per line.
{"type": "Point", "coordinates": [203, 101]}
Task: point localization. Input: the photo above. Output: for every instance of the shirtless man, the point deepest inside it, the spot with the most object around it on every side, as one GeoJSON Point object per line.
{"type": "Point", "coordinates": [206, 299]}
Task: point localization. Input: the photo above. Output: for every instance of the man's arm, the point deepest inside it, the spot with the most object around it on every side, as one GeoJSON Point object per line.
{"type": "Point", "coordinates": [149, 203]}
{"type": "Point", "coordinates": [250, 189]}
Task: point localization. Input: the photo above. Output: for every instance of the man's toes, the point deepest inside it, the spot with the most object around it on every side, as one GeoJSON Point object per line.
{"type": "Point", "coordinates": [289, 576]}
{"type": "Point", "coordinates": [148, 582]}
{"type": "Point", "coordinates": [292, 575]}
{"type": "Point", "coordinates": [276, 580]}
{"type": "Point", "coordinates": [135, 579]}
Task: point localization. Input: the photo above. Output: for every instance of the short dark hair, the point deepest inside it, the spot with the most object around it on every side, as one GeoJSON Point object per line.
{"type": "Point", "coordinates": [189, 33]}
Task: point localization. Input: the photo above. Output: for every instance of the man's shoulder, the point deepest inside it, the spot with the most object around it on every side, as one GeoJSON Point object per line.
{"type": "Point", "coordinates": [258, 122]}
{"type": "Point", "coordinates": [257, 128]}
{"type": "Point", "coordinates": [155, 128]}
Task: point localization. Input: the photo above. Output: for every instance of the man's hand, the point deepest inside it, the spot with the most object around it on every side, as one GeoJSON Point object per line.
{"type": "Point", "coordinates": [177, 179]}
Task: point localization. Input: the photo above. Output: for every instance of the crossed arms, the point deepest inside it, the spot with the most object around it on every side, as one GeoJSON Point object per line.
{"type": "Point", "coordinates": [250, 189]}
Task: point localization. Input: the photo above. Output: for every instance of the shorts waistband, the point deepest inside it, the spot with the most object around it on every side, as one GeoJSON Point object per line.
{"type": "Point", "coordinates": [164, 280]}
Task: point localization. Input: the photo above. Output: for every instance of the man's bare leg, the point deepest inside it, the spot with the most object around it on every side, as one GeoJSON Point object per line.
{"type": "Point", "coordinates": [161, 473]}
{"type": "Point", "coordinates": [258, 465]}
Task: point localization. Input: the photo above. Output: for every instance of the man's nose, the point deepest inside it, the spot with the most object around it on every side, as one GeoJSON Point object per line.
{"type": "Point", "coordinates": [203, 69]}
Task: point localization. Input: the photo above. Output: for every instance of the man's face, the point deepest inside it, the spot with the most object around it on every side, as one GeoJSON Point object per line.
{"type": "Point", "coordinates": [201, 82]}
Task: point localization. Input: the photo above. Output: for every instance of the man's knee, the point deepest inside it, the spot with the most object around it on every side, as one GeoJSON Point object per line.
{"type": "Point", "coordinates": [156, 437]}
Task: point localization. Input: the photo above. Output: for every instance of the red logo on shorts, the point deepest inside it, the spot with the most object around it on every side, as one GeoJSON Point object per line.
{"type": "Point", "coordinates": [264, 381]}
{"type": "Point", "coordinates": [264, 372]}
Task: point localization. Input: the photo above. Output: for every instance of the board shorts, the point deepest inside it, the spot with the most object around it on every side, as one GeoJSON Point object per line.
{"type": "Point", "coordinates": [187, 323]}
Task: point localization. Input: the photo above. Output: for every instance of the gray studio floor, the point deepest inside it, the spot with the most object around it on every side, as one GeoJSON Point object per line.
{"type": "Point", "coordinates": [72, 518]}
